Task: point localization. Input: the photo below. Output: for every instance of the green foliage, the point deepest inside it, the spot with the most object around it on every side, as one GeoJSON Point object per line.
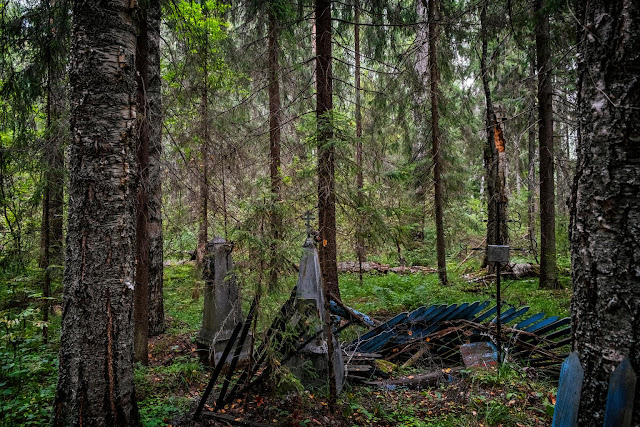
{"type": "Point", "coordinates": [28, 370]}
{"type": "Point", "coordinates": [393, 293]}
{"type": "Point", "coordinates": [159, 411]}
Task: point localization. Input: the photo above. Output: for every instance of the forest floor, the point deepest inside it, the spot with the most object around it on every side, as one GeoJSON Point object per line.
{"type": "Point", "coordinates": [169, 388]}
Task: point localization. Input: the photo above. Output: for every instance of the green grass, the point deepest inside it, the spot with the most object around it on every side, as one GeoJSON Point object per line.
{"type": "Point", "coordinates": [392, 293]}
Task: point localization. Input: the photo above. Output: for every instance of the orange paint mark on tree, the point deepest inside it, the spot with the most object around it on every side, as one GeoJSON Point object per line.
{"type": "Point", "coordinates": [498, 138]}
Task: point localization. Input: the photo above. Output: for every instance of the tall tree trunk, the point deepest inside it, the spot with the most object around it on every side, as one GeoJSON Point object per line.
{"type": "Point", "coordinates": [95, 381]}
{"type": "Point", "coordinates": [360, 250]}
{"type": "Point", "coordinates": [434, 78]}
{"type": "Point", "coordinates": [496, 198]}
{"type": "Point", "coordinates": [275, 121]}
{"type": "Point", "coordinates": [531, 179]}
{"type": "Point", "coordinates": [548, 269]}
{"type": "Point", "coordinates": [326, 151]}
{"type": "Point", "coordinates": [605, 236]}
{"type": "Point", "coordinates": [52, 200]}
{"type": "Point", "coordinates": [419, 149]}
{"type": "Point", "coordinates": [154, 113]}
{"type": "Point", "coordinates": [141, 293]}
{"type": "Point", "coordinates": [203, 223]}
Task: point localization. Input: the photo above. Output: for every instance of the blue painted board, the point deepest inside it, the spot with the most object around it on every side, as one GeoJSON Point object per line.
{"type": "Point", "coordinates": [385, 326]}
{"type": "Point", "coordinates": [541, 324]}
{"type": "Point", "coordinates": [529, 320]}
{"type": "Point", "coordinates": [569, 388]}
{"type": "Point", "coordinates": [486, 314]}
{"type": "Point", "coordinates": [555, 325]}
{"type": "Point", "coordinates": [508, 318]}
{"type": "Point", "coordinates": [504, 314]}
{"type": "Point", "coordinates": [376, 342]}
{"type": "Point", "coordinates": [418, 312]}
{"type": "Point", "coordinates": [622, 387]}
{"type": "Point", "coordinates": [477, 310]}
{"type": "Point", "coordinates": [427, 317]}
{"type": "Point", "coordinates": [434, 324]}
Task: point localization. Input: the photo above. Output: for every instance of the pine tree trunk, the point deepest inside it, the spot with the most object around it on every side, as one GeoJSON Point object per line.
{"type": "Point", "coordinates": [490, 152]}
{"type": "Point", "coordinates": [95, 382]}
{"type": "Point", "coordinates": [605, 236]}
{"type": "Point", "coordinates": [326, 151]}
{"type": "Point", "coordinates": [141, 297]}
{"type": "Point", "coordinates": [360, 249]}
{"type": "Point", "coordinates": [156, 267]}
{"type": "Point", "coordinates": [419, 149]}
{"type": "Point", "coordinates": [203, 223]}
{"type": "Point", "coordinates": [275, 121]}
{"type": "Point", "coordinates": [548, 268]}
{"type": "Point", "coordinates": [531, 184]}
{"type": "Point", "coordinates": [436, 154]}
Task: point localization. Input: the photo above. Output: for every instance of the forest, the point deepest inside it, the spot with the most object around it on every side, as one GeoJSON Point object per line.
{"type": "Point", "coordinates": [309, 212]}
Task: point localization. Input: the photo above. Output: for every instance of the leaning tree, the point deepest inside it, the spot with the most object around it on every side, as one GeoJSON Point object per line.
{"type": "Point", "coordinates": [605, 240]}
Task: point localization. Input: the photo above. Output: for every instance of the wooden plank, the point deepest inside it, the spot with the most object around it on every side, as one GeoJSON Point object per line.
{"type": "Point", "coordinates": [504, 314]}
{"type": "Point", "coordinates": [417, 381]}
{"type": "Point", "coordinates": [555, 325]}
{"type": "Point", "coordinates": [545, 322]}
{"type": "Point", "coordinates": [484, 315]}
{"type": "Point", "coordinates": [569, 389]}
{"type": "Point", "coordinates": [357, 368]}
{"type": "Point", "coordinates": [529, 320]}
{"type": "Point", "coordinates": [360, 355]}
{"type": "Point", "coordinates": [622, 387]}
{"type": "Point", "coordinates": [508, 318]}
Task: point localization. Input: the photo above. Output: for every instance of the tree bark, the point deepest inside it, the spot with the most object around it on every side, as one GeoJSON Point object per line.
{"type": "Point", "coordinates": [203, 223]}
{"type": "Point", "coordinates": [434, 78]}
{"type": "Point", "coordinates": [360, 249]}
{"type": "Point", "coordinates": [95, 382]}
{"type": "Point", "coordinates": [53, 196]}
{"type": "Point", "coordinates": [141, 293]}
{"type": "Point", "coordinates": [154, 113]}
{"type": "Point", "coordinates": [326, 151]}
{"type": "Point", "coordinates": [548, 268]}
{"type": "Point", "coordinates": [420, 148]}
{"type": "Point", "coordinates": [275, 121]}
{"type": "Point", "coordinates": [490, 152]}
{"type": "Point", "coordinates": [605, 232]}
{"type": "Point", "coordinates": [494, 156]}
{"type": "Point", "coordinates": [531, 179]}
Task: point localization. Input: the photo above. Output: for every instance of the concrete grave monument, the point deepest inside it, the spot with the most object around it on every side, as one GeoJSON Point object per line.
{"type": "Point", "coordinates": [310, 364]}
{"type": "Point", "coordinates": [222, 303]}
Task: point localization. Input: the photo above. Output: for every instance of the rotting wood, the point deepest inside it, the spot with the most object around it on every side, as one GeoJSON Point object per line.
{"type": "Point", "coordinates": [352, 313]}
{"type": "Point", "coordinates": [417, 381]}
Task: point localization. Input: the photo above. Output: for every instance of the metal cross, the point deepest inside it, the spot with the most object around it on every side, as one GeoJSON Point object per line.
{"type": "Point", "coordinates": [307, 217]}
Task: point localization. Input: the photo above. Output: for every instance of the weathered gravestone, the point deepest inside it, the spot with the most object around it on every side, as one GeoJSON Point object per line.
{"type": "Point", "coordinates": [222, 304]}
{"type": "Point", "coordinates": [311, 363]}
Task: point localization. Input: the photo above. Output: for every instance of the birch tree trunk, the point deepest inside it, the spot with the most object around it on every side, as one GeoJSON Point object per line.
{"type": "Point", "coordinates": [95, 381]}
{"type": "Point", "coordinates": [605, 223]}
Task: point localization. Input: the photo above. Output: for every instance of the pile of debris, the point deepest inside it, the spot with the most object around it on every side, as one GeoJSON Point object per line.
{"type": "Point", "coordinates": [370, 266]}
{"type": "Point", "coordinates": [436, 332]}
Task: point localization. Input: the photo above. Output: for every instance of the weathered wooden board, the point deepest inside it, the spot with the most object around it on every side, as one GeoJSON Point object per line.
{"type": "Point", "coordinates": [569, 388]}
{"type": "Point", "coordinates": [622, 387]}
